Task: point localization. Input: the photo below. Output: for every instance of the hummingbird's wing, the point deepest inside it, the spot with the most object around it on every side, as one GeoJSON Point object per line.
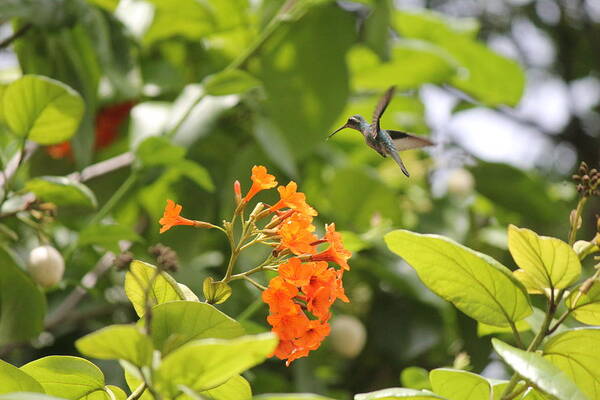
{"type": "Point", "coordinates": [406, 141]}
{"type": "Point", "coordinates": [380, 109]}
{"type": "Point", "coordinates": [398, 160]}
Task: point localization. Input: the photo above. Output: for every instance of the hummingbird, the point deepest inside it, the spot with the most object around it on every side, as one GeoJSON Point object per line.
{"type": "Point", "coordinates": [384, 141]}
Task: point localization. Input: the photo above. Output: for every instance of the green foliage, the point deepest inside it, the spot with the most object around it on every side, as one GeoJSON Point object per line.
{"type": "Point", "coordinates": [12, 379]}
{"type": "Point", "coordinates": [543, 261]}
{"type": "Point", "coordinates": [398, 393]}
{"type": "Point", "coordinates": [22, 305]}
{"type": "Point", "coordinates": [576, 353]}
{"type": "Point", "coordinates": [40, 109]}
{"type": "Point", "coordinates": [296, 396]}
{"type": "Point", "coordinates": [229, 82]}
{"type": "Point", "coordinates": [585, 306]}
{"type": "Point", "coordinates": [62, 191]}
{"type": "Point", "coordinates": [478, 285]}
{"type": "Point", "coordinates": [107, 236]}
{"type": "Point", "coordinates": [118, 342]}
{"type": "Point", "coordinates": [543, 374]}
{"type": "Point", "coordinates": [457, 384]}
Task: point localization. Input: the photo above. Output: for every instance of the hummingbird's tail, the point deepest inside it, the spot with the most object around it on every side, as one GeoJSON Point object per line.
{"type": "Point", "coordinates": [394, 154]}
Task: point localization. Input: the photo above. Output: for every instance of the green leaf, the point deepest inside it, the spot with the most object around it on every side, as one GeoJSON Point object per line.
{"type": "Point", "coordinates": [584, 248]}
{"type": "Point", "coordinates": [236, 388]}
{"type": "Point", "coordinates": [176, 323]}
{"type": "Point", "coordinates": [549, 262]}
{"type": "Point", "coordinates": [12, 379]}
{"type": "Point", "coordinates": [215, 361]}
{"type": "Point", "coordinates": [229, 81]}
{"type": "Point", "coordinates": [415, 378]}
{"type": "Point", "coordinates": [42, 109]}
{"type": "Point", "coordinates": [484, 329]}
{"type": "Point", "coordinates": [61, 191]}
{"type": "Point", "coordinates": [196, 173]}
{"type": "Point", "coordinates": [487, 76]}
{"type": "Point", "coordinates": [22, 304]}
{"type": "Point", "coordinates": [292, 61]}
{"type": "Point", "coordinates": [413, 63]}
{"type": "Point", "coordinates": [163, 288]}
{"type": "Point", "coordinates": [457, 384]}
{"type": "Point", "coordinates": [109, 5]}
{"type": "Point", "coordinates": [576, 352]}
{"type": "Point", "coordinates": [398, 393]}
{"type": "Point", "coordinates": [158, 150]}
{"type": "Point", "coordinates": [27, 396]}
{"type": "Point", "coordinates": [117, 392]}
{"type": "Point", "coordinates": [475, 283]}
{"type": "Point", "coordinates": [539, 371]}
{"type": "Point", "coordinates": [377, 29]}
{"type": "Point", "coordinates": [290, 396]}
{"type": "Point", "coordinates": [215, 292]}
{"type": "Point", "coordinates": [117, 342]}
{"type": "Point", "coordinates": [586, 306]}
{"type": "Point", "coordinates": [68, 377]}
{"type": "Point", "coordinates": [107, 236]}
{"type": "Point", "coordinates": [190, 19]}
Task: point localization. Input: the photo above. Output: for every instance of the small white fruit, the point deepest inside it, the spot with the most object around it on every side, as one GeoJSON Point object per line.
{"type": "Point", "coordinates": [46, 266]}
{"type": "Point", "coordinates": [348, 336]}
{"type": "Point", "coordinates": [460, 182]}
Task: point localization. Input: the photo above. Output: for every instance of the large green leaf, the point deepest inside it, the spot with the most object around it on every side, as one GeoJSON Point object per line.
{"type": "Point", "coordinates": [12, 379]}
{"type": "Point", "coordinates": [27, 396]}
{"type": "Point", "coordinates": [190, 19]}
{"type": "Point", "coordinates": [229, 81]}
{"type": "Point", "coordinates": [236, 388]}
{"type": "Point", "coordinates": [215, 361]}
{"type": "Point", "coordinates": [542, 373]}
{"type": "Point", "coordinates": [61, 191]}
{"type": "Point", "coordinates": [290, 396]}
{"type": "Point", "coordinates": [118, 342]}
{"type": "Point", "coordinates": [458, 384]}
{"type": "Point", "coordinates": [475, 283]}
{"type": "Point", "coordinates": [414, 63]}
{"type": "Point", "coordinates": [22, 304]}
{"type": "Point", "coordinates": [548, 262]}
{"type": "Point", "coordinates": [142, 279]}
{"type": "Point", "coordinates": [64, 376]}
{"type": "Point", "coordinates": [293, 61]}
{"type": "Point", "coordinates": [42, 109]}
{"type": "Point", "coordinates": [179, 322]}
{"type": "Point", "coordinates": [487, 76]}
{"type": "Point", "coordinates": [586, 306]}
{"type": "Point", "coordinates": [158, 150]}
{"type": "Point", "coordinates": [398, 394]}
{"type": "Point", "coordinates": [577, 353]}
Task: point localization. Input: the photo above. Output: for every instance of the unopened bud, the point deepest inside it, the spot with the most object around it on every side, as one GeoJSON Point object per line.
{"type": "Point", "coordinates": [237, 190]}
{"type": "Point", "coordinates": [259, 207]}
{"type": "Point", "coordinates": [215, 292]}
{"type": "Point", "coordinates": [587, 285]}
{"type": "Point", "coordinates": [575, 223]}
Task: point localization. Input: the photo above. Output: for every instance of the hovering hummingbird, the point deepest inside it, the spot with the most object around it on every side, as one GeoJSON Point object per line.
{"type": "Point", "coordinates": [384, 141]}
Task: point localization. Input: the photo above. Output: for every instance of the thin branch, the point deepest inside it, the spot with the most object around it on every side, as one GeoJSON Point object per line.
{"type": "Point", "coordinates": [17, 34]}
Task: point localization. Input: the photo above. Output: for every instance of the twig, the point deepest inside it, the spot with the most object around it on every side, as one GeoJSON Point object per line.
{"type": "Point", "coordinates": [17, 34]}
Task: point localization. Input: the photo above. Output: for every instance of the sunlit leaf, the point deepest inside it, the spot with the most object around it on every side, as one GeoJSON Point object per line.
{"type": "Point", "coordinates": [117, 342]}
{"type": "Point", "coordinates": [12, 379]}
{"type": "Point", "coordinates": [458, 384]}
{"type": "Point", "coordinates": [415, 378]}
{"type": "Point", "coordinates": [215, 361]}
{"type": "Point", "coordinates": [398, 394]}
{"type": "Point", "coordinates": [549, 262]}
{"type": "Point", "coordinates": [179, 322]}
{"type": "Point", "coordinates": [22, 304]}
{"type": "Point", "coordinates": [236, 388]}
{"type": "Point", "coordinates": [539, 371]}
{"type": "Point", "coordinates": [61, 191]}
{"type": "Point", "coordinates": [67, 377]}
{"type": "Point", "coordinates": [44, 110]}
{"type": "Point", "coordinates": [475, 283]}
{"type": "Point", "coordinates": [484, 329]}
{"type": "Point", "coordinates": [290, 396]}
{"type": "Point", "coordinates": [586, 306]}
{"type": "Point", "coordinates": [576, 352]}
{"type": "Point", "coordinates": [143, 278]}
{"type": "Point", "coordinates": [232, 81]}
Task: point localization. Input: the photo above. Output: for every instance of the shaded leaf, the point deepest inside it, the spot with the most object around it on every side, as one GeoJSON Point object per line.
{"type": "Point", "coordinates": [229, 81]}
{"type": "Point", "coordinates": [236, 388]}
{"type": "Point", "coordinates": [44, 110]}
{"type": "Point", "coordinates": [107, 236]}
{"type": "Point", "coordinates": [61, 191]}
{"type": "Point", "coordinates": [158, 150]}
{"type": "Point", "coordinates": [539, 371]}
{"type": "Point", "coordinates": [475, 283]}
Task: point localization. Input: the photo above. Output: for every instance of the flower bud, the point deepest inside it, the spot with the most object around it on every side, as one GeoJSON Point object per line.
{"type": "Point", "coordinates": [348, 335]}
{"type": "Point", "coordinates": [215, 292]}
{"type": "Point", "coordinates": [237, 190]}
{"type": "Point", "coordinates": [46, 266]}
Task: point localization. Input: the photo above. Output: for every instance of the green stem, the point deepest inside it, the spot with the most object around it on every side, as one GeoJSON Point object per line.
{"type": "Point", "coordinates": [250, 310]}
{"type": "Point", "coordinates": [516, 334]}
{"type": "Point", "coordinates": [253, 282]}
{"type": "Point", "coordinates": [114, 199]}
{"type": "Point", "coordinates": [138, 392]}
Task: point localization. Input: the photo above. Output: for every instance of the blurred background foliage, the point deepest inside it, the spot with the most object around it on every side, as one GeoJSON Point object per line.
{"type": "Point", "coordinates": [508, 90]}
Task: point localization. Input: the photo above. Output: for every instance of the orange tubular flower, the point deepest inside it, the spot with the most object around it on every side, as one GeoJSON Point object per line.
{"type": "Point", "coordinates": [279, 296]}
{"type": "Point", "coordinates": [261, 180]}
{"type": "Point", "coordinates": [312, 338]}
{"type": "Point", "coordinates": [290, 198]}
{"type": "Point", "coordinates": [296, 273]}
{"type": "Point", "coordinates": [172, 218]}
{"type": "Point", "coordinates": [336, 252]}
{"type": "Point", "coordinates": [296, 237]}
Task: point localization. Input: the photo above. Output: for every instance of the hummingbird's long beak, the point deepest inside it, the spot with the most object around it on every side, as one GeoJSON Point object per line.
{"type": "Point", "coordinates": [336, 131]}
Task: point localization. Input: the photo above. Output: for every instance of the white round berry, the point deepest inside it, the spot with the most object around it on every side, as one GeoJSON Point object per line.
{"type": "Point", "coordinates": [348, 335]}
{"type": "Point", "coordinates": [46, 266]}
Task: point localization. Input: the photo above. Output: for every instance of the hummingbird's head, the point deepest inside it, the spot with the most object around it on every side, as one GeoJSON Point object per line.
{"type": "Point", "coordinates": [354, 122]}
